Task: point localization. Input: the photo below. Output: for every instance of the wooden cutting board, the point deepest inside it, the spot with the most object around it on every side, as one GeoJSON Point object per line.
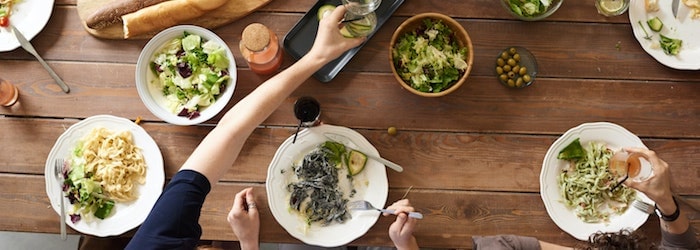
{"type": "Point", "coordinates": [229, 12]}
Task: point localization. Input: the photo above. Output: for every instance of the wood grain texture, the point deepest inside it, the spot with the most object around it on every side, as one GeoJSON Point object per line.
{"type": "Point", "coordinates": [472, 158]}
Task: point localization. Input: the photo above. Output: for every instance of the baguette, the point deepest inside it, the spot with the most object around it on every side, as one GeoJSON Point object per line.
{"type": "Point", "coordinates": [112, 13]}
{"type": "Point", "coordinates": [651, 5]}
{"type": "Point", "coordinates": [166, 14]}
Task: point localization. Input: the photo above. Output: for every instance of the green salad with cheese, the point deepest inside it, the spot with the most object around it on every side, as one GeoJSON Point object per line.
{"type": "Point", "coordinates": [429, 58]}
{"type": "Point", "coordinates": [191, 73]}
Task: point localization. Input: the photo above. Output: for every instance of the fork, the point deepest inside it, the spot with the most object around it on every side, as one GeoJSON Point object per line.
{"type": "Point", "coordinates": [365, 205]}
{"type": "Point", "coordinates": [643, 206]}
{"type": "Point", "coordinates": [58, 172]}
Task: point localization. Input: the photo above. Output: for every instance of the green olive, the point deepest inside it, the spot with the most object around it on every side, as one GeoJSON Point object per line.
{"type": "Point", "coordinates": [522, 71]}
{"type": "Point", "coordinates": [519, 82]}
{"type": "Point", "coordinates": [516, 57]}
{"type": "Point", "coordinates": [511, 75]}
{"type": "Point", "coordinates": [499, 70]}
{"type": "Point", "coordinates": [511, 62]}
{"type": "Point", "coordinates": [392, 130]}
{"type": "Point", "coordinates": [500, 62]}
{"type": "Point", "coordinates": [527, 78]}
{"type": "Point", "coordinates": [503, 77]}
{"type": "Point", "coordinates": [512, 50]}
{"type": "Point", "coordinates": [505, 55]}
{"type": "Point", "coordinates": [511, 83]}
{"type": "Point", "coordinates": [507, 68]}
{"type": "Point", "coordinates": [516, 69]}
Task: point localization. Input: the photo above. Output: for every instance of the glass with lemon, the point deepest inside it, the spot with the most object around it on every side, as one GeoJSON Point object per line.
{"type": "Point", "coordinates": [612, 7]}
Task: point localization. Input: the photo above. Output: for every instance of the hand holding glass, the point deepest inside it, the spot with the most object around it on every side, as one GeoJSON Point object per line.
{"type": "Point", "coordinates": [634, 165]}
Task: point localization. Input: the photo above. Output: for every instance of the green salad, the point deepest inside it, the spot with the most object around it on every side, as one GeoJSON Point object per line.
{"type": "Point", "coordinates": [86, 194]}
{"type": "Point", "coordinates": [429, 58]}
{"type": "Point", "coordinates": [191, 73]}
{"type": "Point", "coordinates": [529, 8]}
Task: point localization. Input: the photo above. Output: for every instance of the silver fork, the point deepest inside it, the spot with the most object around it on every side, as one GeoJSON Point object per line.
{"type": "Point", "coordinates": [643, 206]}
{"type": "Point", "coordinates": [58, 172]}
{"type": "Point", "coordinates": [365, 205]}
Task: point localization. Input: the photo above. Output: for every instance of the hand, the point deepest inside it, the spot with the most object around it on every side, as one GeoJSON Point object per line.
{"type": "Point", "coordinates": [401, 231]}
{"type": "Point", "coordinates": [244, 219]}
{"type": "Point", "coordinates": [658, 186]}
{"type": "Point", "coordinates": [329, 43]}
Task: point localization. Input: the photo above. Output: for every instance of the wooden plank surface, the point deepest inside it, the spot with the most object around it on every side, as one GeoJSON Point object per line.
{"type": "Point", "coordinates": [472, 158]}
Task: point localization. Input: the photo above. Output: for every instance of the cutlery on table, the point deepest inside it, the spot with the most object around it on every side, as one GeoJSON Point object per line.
{"type": "Point", "coordinates": [58, 172]}
{"type": "Point", "coordinates": [345, 141]}
{"type": "Point", "coordinates": [29, 48]}
{"type": "Point", "coordinates": [643, 206]}
{"type": "Point", "coordinates": [674, 8]}
{"type": "Point", "coordinates": [365, 205]}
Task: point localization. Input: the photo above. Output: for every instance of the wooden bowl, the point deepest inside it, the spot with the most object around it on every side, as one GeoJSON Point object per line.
{"type": "Point", "coordinates": [412, 24]}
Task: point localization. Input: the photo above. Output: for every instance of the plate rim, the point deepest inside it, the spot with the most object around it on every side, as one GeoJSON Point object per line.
{"type": "Point", "coordinates": [155, 174]}
{"type": "Point", "coordinates": [578, 228]}
{"type": "Point", "coordinates": [39, 19]}
{"type": "Point", "coordinates": [636, 11]}
{"type": "Point", "coordinates": [315, 134]}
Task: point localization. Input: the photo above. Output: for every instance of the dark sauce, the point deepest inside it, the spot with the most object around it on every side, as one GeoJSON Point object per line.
{"type": "Point", "coordinates": [307, 110]}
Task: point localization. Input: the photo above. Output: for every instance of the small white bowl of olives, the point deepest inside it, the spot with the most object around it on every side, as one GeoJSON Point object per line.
{"type": "Point", "coordinates": [516, 67]}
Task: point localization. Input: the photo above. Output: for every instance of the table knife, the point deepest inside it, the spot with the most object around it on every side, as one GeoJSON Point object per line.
{"type": "Point", "coordinates": [674, 7]}
{"type": "Point", "coordinates": [29, 48]}
{"type": "Point", "coordinates": [345, 141]}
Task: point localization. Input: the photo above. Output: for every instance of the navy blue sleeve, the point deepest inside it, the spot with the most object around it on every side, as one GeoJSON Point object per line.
{"type": "Point", "coordinates": [174, 220]}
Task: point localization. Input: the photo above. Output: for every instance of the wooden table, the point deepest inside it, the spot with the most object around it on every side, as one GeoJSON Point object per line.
{"type": "Point", "coordinates": [472, 158]}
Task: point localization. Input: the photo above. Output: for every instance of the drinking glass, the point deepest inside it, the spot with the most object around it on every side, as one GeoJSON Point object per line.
{"type": "Point", "coordinates": [635, 165]}
{"type": "Point", "coordinates": [360, 16]}
{"type": "Point", "coordinates": [612, 7]}
{"type": "Point", "coordinates": [8, 93]}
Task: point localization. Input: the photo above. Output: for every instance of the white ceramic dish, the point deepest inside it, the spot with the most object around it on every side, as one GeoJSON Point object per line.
{"type": "Point", "coordinates": [683, 27]}
{"type": "Point", "coordinates": [152, 97]}
{"type": "Point", "coordinates": [616, 137]}
{"type": "Point", "coordinates": [371, 184]}
{"type": "Point", "coordinates": [125, 216]}
{"type": "Point", "coordinates": [30, 17]}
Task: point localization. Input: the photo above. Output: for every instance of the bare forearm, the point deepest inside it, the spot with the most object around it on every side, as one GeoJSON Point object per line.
{"type": "Point", "coordinates": [668, 206]}
{"type": "Point", "coordinates": [221, 146]}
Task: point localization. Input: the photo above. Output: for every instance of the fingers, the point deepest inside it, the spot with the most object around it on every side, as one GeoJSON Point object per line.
{"type": "Point", "coordinates": [336, 16]}
{"type": "Point", "coordinates": [250, 201]}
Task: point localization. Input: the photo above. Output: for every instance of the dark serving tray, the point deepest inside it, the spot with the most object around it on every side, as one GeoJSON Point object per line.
{"type": "Point", "coordinates": [300, 38]}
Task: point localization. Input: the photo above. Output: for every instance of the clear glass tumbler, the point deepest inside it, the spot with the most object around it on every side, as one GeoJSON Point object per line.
{"type": "Point", "coordinates": [612, 7]}
{"type": "Point", "coordinates": [360, 16]}
{"type": "Point", "coordinates": [8, 93]}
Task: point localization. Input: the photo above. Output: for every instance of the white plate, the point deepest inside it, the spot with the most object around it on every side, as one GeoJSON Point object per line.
{"type": "Point", "coordinates": [616, 137]}
{"type": "Point", "coordinates": [684, 28]}
{"type": "Point", "coordinates": [30, 17]}
{"type": "Point", "coordinates": [153, 97]}
{"type": "Point", "coordinates": [371, 184]}
{"type": "Point", "coordinates": [125, 216]}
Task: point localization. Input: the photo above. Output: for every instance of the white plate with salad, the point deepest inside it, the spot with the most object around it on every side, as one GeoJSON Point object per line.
{"type": "Point", "coordinates": [616, 137]}
{"type": "Point", "coordinates": [124, 216]}
{"type": "Point", "coordinates": [186, 75]}
{"type": "Point", "coordinates": [370, 184]}
{"type": "Point", "coordinates": [30, 17]}
{"type": "Point", "coordinates": [684, 28]}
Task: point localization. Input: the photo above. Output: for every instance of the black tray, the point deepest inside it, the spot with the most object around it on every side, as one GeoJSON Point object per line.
{"type": "Point", "coordinates": [301, 37]}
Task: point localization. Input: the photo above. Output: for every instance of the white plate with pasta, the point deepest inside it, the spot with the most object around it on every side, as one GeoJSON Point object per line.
{"type": "Point", "coordinates": [30, 17]}
{"type": "Point", "coordinates": [371, 184]}
{"type": "Point", "coordinates": [615, 137]}
{"type": "Point", "coordinates": [124, 215]}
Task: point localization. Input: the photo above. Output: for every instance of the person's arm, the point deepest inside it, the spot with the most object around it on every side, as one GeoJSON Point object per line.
{"type": "Point", "coordinates": [401, 231]}
{"type": "Point", "coordinates": [221, 146]}
{"type": "Point", "coordinates": [658, 188]}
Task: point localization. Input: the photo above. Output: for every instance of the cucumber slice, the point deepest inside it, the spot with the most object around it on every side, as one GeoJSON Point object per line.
{"type": "Point", "coordinates": [356, 162]}
{"type": "Point", "coordinates": [325, 10]}
{"type": "Point", "coordinates": [344, 31]}
{"type": "Point", "coordinates": [655, 24]}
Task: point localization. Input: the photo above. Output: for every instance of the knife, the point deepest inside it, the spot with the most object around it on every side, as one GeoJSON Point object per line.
{"type": "Point", "coordinates": [674, 8]}
{"type": "Point", "coordinates": [29, 48]}
{"type": "Point", "coordinates": [345, 141]}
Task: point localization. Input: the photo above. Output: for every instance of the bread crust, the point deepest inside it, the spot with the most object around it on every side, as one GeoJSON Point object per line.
{"type": "Point", "coordinates": [166, 14]}
{"type": "Point", "coordinates": [112, 13]}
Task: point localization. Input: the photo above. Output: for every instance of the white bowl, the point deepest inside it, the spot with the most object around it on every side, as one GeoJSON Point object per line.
{"type": "Point", "coordinates": [150, 95]}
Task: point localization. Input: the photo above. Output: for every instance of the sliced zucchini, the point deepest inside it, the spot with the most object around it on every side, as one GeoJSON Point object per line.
{"type": "Point", "coordinates": [655, 24]}
{"type": "Point", "coordinates": [325, 10]}
{"type": "Point", "coordinates": [344, 31]}
{"type": "Point", "coordinates": [356, 162]}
